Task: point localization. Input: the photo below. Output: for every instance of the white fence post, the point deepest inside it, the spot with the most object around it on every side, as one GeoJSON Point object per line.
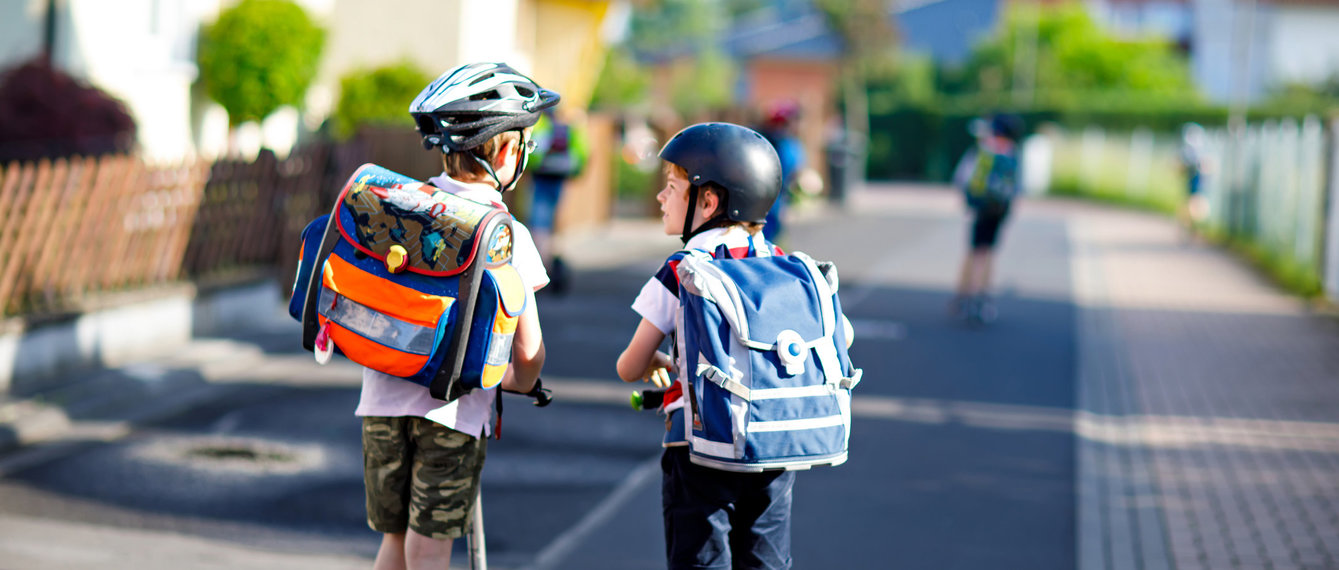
{"type": "Point", "coordinates": [1332, 217]}
{"type": "Point", "coordinates": [1141, 162]}
{"type": "Point", "coordinates": [1311, 188]}
{"type": "Point", "coordinates": [1090, 157]}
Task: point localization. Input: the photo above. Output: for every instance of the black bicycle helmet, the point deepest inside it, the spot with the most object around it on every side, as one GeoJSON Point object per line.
{"type": "Point", "coordinates": [471, 104]}
{"type": "Point", "coordinates": [737, 159]}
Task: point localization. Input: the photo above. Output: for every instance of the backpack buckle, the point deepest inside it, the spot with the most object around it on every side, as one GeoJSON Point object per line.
{"type": "Point", "coordinates": [791, 351]}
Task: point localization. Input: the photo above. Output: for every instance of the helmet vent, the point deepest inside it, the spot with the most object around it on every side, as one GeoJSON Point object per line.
{"type": "Point", "coordinates": [485, 96]}
{"type": "Point", "coordinates": [425, 124]}
{"type": "Point", "coordinates": [481, 78]}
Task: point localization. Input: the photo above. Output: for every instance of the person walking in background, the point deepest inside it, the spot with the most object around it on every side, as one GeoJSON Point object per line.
{"type": "Point", "coordinates": [779, 129]}
{"type": "Point", "coordinates": [560, 154]}
{"type": "Point", "coordinates": [1195, 209]}
{"type": "Point", "coordinates": [988, 177]}
{"type": "Point", "coordinates": [421, 476]}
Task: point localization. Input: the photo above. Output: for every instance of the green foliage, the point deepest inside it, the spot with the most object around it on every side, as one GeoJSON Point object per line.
{"type": "Point", "coordinates": [676, 23]}
{"type": "Point", "coordinates": [1302, 280]}
{"type": "Point", "coordinates": [1073, 58]}
{"type": "Point", "coordinates": [631, 181]}
{"type": "Point", "coordinates": [622, 83]}
{"type": "Point", "coordinates": [708, 86]}
{"type": "Point", "coordinates": [1321, 98]}
{"type": "Point", "coordinates": [687, 29]}
{"type": "Point", "coordinates": [258, 56]}
{"type": "Point", "coordinates": [910, 82]}
{"type": "Point", "coordinates": [377, 96]}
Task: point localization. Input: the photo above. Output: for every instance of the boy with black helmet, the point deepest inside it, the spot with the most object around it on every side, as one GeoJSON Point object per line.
{"type": "Point", "coordinates": [423, 459]}
{"type": "Point", "coordinates": [721, 179]}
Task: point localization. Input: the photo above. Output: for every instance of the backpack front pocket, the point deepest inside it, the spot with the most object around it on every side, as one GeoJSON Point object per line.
{"type": "Point", "coordinates": [393, 329]}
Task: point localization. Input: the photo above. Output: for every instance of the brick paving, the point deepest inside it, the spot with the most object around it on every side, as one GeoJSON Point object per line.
{"type": "Point", "coordinates": [1209, 406]}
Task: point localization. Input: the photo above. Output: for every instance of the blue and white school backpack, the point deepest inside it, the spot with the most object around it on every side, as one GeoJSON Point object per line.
{"type": "Point", "coordinates": [994, 181]}
{"type": "Point", "coordinates": [762, 348]}
{"type": "Point", "coordinates": [411, 281]}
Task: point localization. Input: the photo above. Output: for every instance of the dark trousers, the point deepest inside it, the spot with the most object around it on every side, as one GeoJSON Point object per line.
{"type": "Point", "coordinates": [722, 520]}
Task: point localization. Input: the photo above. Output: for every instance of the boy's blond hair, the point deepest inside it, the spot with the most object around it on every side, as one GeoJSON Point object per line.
{"type": "Point", "coordinates": [460, 165]}
{"type": "Point", "coordinates": [722, 197]}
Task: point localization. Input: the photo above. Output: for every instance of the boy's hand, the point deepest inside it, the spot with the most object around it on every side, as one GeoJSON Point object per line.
{"type": "Point", "coordinates": [658, 376]}
{"type": "Point", "coordinates": [658, 371]}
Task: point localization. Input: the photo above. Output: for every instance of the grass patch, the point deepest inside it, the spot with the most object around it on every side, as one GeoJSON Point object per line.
{"type": "Point", "coordinates": [1298, 278]}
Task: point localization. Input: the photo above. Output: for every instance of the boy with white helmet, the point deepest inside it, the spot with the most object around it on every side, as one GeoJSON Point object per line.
{"type": "Point", "coordinates": [422, 475]}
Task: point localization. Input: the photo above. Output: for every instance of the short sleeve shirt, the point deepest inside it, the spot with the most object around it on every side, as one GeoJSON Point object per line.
{"type": "Point", "coordinates": [384, 395]}
{"type": "Point", "coordinates": [658, 301]}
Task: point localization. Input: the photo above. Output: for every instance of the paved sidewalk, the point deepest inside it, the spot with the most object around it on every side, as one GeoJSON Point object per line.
{"type": "Point", "coordinates": [1209, 406]}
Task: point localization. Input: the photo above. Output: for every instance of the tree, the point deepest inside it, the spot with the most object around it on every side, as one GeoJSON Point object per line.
{"type": "Point", "coordinates": [687, 31]}
{"type": "Point", "coordinates": [1073, 59]}
{"type": "Point", "coordinates": [622, 83]}
{"type": "Point", "coordinates": [258, 56]}
{"type": "Point", "coordinates": [377, 96]}
{"type": "Point", "coordinates": [869, 41]}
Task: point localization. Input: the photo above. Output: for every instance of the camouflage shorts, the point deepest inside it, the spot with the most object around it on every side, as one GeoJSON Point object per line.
{"type": "Point", "coordinates": [420, 475]}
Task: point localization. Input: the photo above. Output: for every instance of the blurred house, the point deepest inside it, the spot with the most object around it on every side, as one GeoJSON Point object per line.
{"type": "Point", "coordinates": [787, 52]}
{"type": "Point", "coordinates": [143, 51]}
{"type": "Point", "coordinates": [1239, 47]}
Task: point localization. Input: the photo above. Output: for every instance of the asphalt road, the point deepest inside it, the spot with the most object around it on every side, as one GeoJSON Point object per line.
{"type": "Point", "coordinates": [962, 454]}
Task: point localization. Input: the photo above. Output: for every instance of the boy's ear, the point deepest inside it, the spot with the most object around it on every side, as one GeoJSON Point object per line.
{"type": "Point", "coordinates": [709, 200]}
{"type": "Point", "coordinates": [504, 151]}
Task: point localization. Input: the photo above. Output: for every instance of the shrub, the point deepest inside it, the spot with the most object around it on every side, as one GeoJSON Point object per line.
{"type": "Point", "coordinates": [45, 113]}
{"type": "Point", "coordinates": [379, 96]}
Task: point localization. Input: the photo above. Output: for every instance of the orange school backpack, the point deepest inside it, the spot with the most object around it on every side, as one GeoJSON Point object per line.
{"type": "Point", "coordinates": [411, 281]}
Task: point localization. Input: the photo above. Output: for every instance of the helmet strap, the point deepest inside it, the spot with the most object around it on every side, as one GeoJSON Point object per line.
{"type": "Point", "coordinates": [488, 167]}
{"type": "Point", "coordinates": [689, 232]}
{"type": "Point", "coordinates": [521, 161]}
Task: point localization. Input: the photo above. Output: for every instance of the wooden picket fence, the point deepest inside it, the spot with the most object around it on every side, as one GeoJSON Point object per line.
{"type": "Point", "coordinates": [74, 229]}
{"type": "Point", "coordinates": [77, 227]}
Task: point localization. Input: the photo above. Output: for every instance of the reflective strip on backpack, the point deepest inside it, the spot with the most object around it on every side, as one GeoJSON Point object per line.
{"type": "Point", "coordinates": [375, 326]}
{"type": "Point", "coordinates": [792, 392]}
{"type": "Point", "coordinates": [499, 350]}
{"type": "Point", "coordinates": [795, 425]}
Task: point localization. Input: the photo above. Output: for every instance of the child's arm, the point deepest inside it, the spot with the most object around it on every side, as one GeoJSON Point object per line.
{"type": "Point", "coordinates": [642, 361]}
{"type": "Point", "coordinates": [527, 350]}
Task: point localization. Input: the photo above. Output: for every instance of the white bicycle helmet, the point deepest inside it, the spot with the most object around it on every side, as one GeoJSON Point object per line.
{"type": "Point", "coordinates": [471, 104]}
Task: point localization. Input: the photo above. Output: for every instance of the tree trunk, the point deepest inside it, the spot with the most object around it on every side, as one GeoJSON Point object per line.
{"type": "Point", "coordinates": [857, 124]}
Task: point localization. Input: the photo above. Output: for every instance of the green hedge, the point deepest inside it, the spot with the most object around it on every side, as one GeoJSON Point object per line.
{"type": "Point", "coordinates": [924, 142]}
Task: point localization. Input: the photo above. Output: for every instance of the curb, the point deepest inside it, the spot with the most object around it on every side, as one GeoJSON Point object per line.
{"type": "Point", "coordinates": [91, 375]}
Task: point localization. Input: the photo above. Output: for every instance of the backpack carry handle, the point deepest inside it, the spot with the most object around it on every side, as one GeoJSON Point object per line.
{"type": "Point", "coordinates": [310, 323]}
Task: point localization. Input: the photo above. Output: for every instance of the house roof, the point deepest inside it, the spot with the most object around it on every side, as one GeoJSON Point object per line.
{"type": "Point", "coordinates": [803, 37]}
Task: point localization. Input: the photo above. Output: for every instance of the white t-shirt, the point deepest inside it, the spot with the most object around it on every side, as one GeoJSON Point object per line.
{"type": "Point", "coordinates": [384, 395]}
{"type": "Point", "coordinates": [658, 301]}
